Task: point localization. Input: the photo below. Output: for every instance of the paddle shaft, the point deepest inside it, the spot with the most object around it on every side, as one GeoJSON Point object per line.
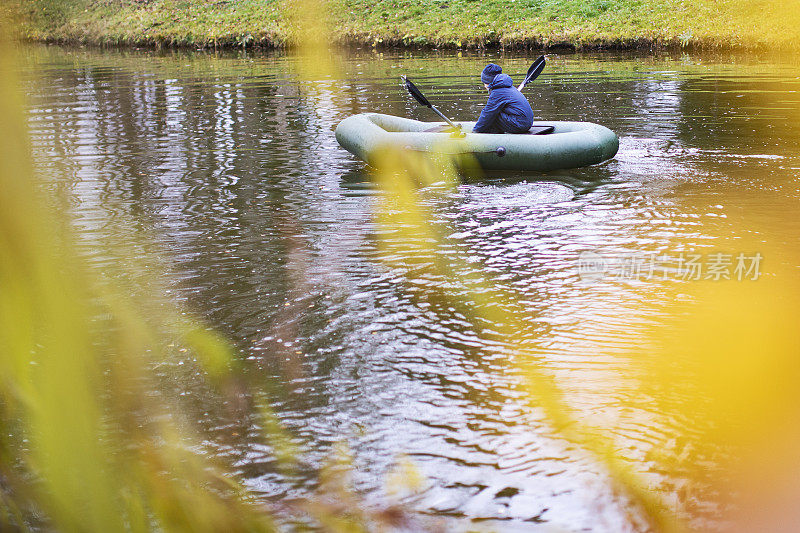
{"type": "Point", "coordinates": [444, 117]}
{"type": "Point", "coordinates": [414, 91]}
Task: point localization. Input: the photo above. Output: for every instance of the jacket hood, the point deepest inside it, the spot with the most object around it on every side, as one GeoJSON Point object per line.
{"type": "Point", "coordinates": [501, 80]}
{"type": "Point", "coordinates": [489, 72]}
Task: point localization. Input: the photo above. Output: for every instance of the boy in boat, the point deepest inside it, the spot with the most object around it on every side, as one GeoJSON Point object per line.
{"type": "Point", "coordinates": [507, 110]}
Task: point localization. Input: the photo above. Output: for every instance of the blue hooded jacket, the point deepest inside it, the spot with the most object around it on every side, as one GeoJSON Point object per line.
{"type": "Point", "coordinates": [507, 110]}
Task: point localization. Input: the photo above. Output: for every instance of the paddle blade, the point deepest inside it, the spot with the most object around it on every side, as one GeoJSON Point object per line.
{"type": "Point", "coordinates": [533, 72]}
{"type": "Point", "coordinates": [413, 91]}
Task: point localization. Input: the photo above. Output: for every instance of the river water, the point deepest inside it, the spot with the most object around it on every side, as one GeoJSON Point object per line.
{"type": "Point", "coordinates": [229, 165]}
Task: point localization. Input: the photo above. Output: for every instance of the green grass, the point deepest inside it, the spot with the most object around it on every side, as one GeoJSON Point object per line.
{"type": "Point", "coordinates": [442, 23]}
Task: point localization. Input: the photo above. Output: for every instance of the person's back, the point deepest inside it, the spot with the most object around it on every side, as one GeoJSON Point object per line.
{"type": "Point", "coordinates": [507, 110]}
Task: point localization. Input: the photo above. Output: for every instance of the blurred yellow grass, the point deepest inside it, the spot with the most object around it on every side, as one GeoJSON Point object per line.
{"type": "Point", "coordinates": [91, 438]}
{"type": "Point", "coordinates": [726, 361]}
{"type": "Point", "coordinates": [768, 23]}
{"type": "Point", "coordinates": [88, 444]}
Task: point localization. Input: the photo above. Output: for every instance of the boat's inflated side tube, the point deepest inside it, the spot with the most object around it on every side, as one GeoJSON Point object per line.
{"type": "Point", "coordinates": [570, 145]}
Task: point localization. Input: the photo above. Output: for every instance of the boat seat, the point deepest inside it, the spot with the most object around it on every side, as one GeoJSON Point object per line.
{"type": "Point", "coordinates": [540, 130]}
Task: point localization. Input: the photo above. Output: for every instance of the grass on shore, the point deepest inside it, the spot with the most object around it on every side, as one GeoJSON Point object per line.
{"type": "Point", "coordinates": [444, 23]}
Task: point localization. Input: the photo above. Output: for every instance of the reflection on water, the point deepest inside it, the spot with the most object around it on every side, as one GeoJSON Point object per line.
{"type": "Point", "coordinates": [231, 168]}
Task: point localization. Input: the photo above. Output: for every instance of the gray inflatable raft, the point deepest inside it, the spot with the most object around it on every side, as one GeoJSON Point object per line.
{"type": "Point", "coordinates": [548, 146]}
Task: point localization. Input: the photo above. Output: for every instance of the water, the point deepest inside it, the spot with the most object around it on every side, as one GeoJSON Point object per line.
{"type": "Point", "coordinates": [230, 168]}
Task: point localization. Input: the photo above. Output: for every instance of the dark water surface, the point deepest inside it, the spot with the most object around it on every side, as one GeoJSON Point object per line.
{"type": "Point", "coordinates": [229, 165]}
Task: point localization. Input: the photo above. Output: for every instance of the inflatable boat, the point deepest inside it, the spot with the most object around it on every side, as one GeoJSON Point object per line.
{"type": "Point", "coordinates": [547, 146]}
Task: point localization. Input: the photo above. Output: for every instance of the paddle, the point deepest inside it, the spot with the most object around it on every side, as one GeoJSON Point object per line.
{"type": "Point", "coordinates": [419, 97]}
{"type": "Point", "coordinates": [533, 72]}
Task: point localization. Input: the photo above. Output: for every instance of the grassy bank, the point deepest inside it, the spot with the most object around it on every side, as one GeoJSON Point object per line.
{"type": "Point", "coordinates": [444, 23]}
